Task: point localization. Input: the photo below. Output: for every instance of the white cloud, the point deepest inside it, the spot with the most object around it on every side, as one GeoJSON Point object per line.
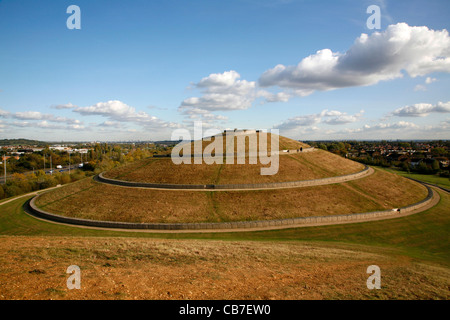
{"type": "Point", "coordinates": [343, 119]}
{"type": "Point", "coordinates": [76, 127]}
{"type": "Point", "coordinates": [275, 97]}
{"type": "Point", "coordinates": [300, 121]}
{"type": "Point", "coordinates": [22, 124]}
{"type": "Point", "coordinates": [420, 87]}
{"type": "Point", "coordinates": [64, 106]}
{"type": "Point", "coordinates": [36, 115]}
{"type": "Point", "coordinates": [223, 92]}
{"type": "Point", "coordinates": [429, 80]}
{"type": "Point", "coordinates": [2, 126]}
{"type": "Point", "coordinates": [397, 130]}
{"type": "Point", "coordinates": [197, 113]}
{"type": "Point", "coordinates": [380, 56]}
{"type": "Point", "coordinates": [226, 80]}
{"type": "Point", "coordinates": [395, 126]}
{"type": "Point", "coordinates": [219, 102]}
{"type": "Point", "coordinates": [209, 120]}
{"type": "Point", "coordinates": [31, 115]}
{"type": "Point", "coordinates": [110, 124]}
{"type": "Point", "coordinates": [331, 113]}
{"type": "Point", "coordinates": [380, 129]}
{"type": "Point", "coordinates": [330, 117]}
{"type": "Point", "coordinates": [4, 113]}
{"type": "Point", "coordinates": [118, 111]}
{"type": "Point", "coordinates": [112, 108]}
{"type": "Point", "coordinates": [422, 109]}
{"type": "Point", "coordinates": [44, 124]}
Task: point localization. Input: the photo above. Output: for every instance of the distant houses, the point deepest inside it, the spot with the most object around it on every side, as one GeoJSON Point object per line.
{"type": "Point", "coordinates": [427, 157]}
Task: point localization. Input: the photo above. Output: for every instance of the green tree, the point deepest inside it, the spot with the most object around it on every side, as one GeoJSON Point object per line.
{"type": "Point", "coordinates": [40, 173]}
{"type": "Point", "coordinates": [422, 167]}
{"type": "Point", "coordinates": [47, 181]}
{"type": "Point", "coordinates": [435, 165]}
{"type": "Point", "coordinates": [65, 178]}
{"type": "Point", "coordinates": [13, 190]}
{"type": "Point", "coordinates": [21, 181]}
{"type": "Point", "coordinates": [406, 167]}
{"type": "Point", "coordinates": [438, 151]}
{"type": "Point", "coordinates": [405, 145]}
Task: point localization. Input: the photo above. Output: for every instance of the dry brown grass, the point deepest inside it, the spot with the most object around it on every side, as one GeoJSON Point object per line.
{"type": "Point", "coordinates": [328, 164]}
{"type": "Point", "coordinates": [165, 171]}
{"type": "Point", "coordinates": [90, 200]}
{"type": "Point", "coordinates": [391, 189]}
{"type": "Point", "coordinates": [112, 268]}
{"type": "Point", "coordinates": [283, 143]}
{"type": "Point", "coordinates": [294, 167]}
{"type": "Point", "coordinates": [97, 201]}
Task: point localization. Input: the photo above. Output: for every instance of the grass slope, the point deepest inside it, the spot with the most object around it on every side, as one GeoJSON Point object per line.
{"type": "Point", "coordinates": [308, 263]}
{"type": "Point", "coordinates": [428, 178]}
{"type": "Point", "coordinates": [424, 235]}
{"type": "Point", "coordinates": [292, 167]}
{"type": "Point", "coordinates": [91, 200]}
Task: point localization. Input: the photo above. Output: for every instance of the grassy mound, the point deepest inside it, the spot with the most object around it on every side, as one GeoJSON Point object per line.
{"type": "Point", "coordinates": [292, 167]}
{"type": "Point", "coordinates": [228, 141]}
{"type": "Point", "coordinates": [91, 200]}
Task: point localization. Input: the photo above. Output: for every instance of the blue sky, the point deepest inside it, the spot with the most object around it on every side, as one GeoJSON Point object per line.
{"type": "Point", "coordinates": [138, 70]}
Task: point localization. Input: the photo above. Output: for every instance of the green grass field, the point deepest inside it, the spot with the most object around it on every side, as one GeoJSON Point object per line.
{"type": "Point", "coordinates": [428, 178]}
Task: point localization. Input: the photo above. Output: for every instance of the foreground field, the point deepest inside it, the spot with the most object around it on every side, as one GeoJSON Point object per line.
{"type": "Point", "coordinates": [330, 262]}
{"type": "Point", "coordinates": [88, 199]}
{"type": "Point", "coordinates": [111, 268]}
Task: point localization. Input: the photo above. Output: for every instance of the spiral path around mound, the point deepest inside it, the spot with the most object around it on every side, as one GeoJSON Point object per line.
{"type": "Point", "coordinates": [256, 225]}
{"type": "Point", "coordinates": [430, 201]}
{"type": "Point", "coordinates": [224, 187]}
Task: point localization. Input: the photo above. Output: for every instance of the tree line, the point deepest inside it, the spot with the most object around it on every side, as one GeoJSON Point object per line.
{"type": "Point", "coordinates": [101, 157]}
{"type": "Point", "coordinates": [424, 162]}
